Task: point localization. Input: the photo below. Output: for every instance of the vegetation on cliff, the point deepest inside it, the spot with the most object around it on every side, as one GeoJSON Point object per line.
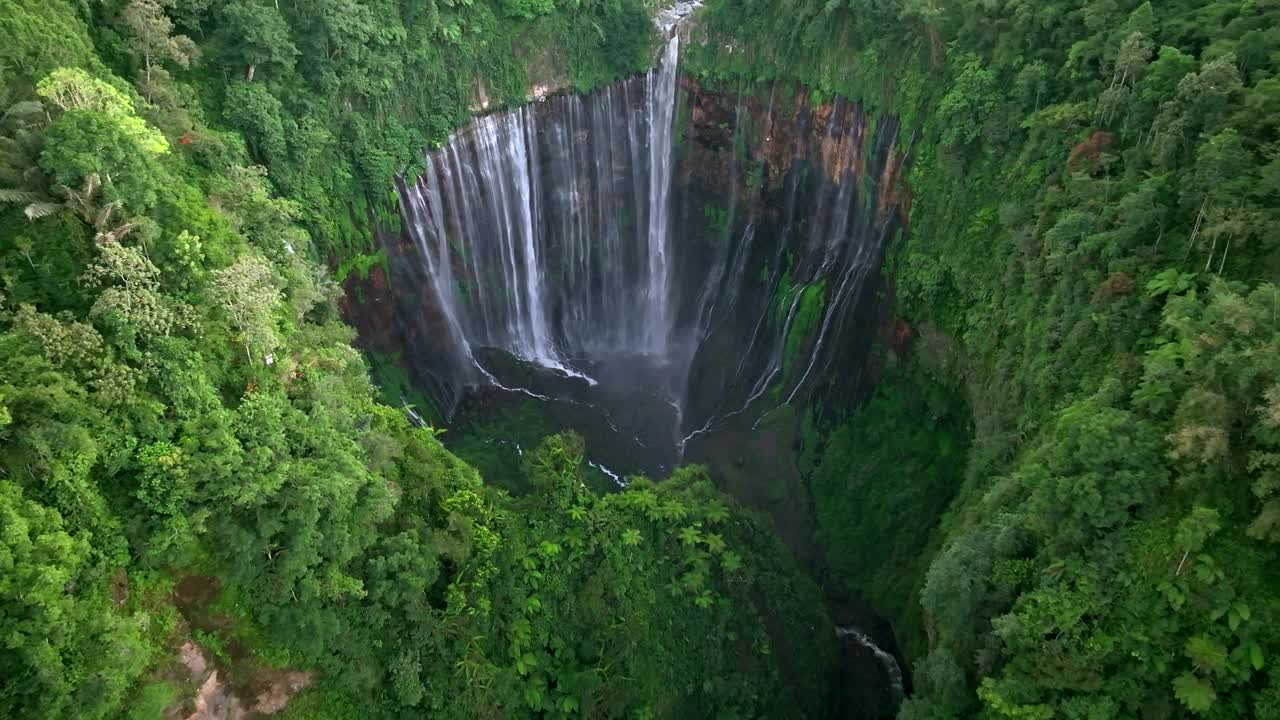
{"type": "Point", "coordinates": [1095, 196]}
{"type": "Point", "coordinates": [178, 396]}
{"type": "Point", "coordinates": [1094, 214]}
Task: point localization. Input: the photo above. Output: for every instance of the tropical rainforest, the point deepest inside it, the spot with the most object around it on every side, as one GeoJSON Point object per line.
{"type": "Point", "coordinates": [1061, 487]}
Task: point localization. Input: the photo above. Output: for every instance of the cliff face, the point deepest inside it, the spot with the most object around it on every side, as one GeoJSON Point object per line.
{"type": "Point", "coordinates": [778, 209]}
{"type": "Point", "coordinates": [806, 196]}
{"type": "Point", "coordinates": [771, 213]}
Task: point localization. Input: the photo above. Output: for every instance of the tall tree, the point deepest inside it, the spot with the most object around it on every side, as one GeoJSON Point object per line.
{"type": "Point", "coordinates": [257, 35]}
{"type": "Point", "coordinates": [247, 293]}
{"type": "Point", "coordinates": [152, 40]}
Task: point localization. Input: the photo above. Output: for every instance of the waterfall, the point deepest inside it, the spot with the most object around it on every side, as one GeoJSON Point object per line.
{"type": "Point", "coordinates": [548, 234]}
{"type": "Point", "coordinates": [661, 105]}
{"type": "Point", "coordinates": [581, 235]}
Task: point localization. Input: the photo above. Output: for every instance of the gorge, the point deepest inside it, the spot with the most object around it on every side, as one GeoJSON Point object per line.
{"type": "Point", "coordinates": [631, 360]}
{"type": "Point", "coordinates": [666, 257]}
{"type": "Point", "coordinates": [650, 263]}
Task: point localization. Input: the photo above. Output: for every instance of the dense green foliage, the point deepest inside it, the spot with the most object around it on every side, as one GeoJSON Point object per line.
{"type": "Point", "coordinates": [337, 96]}
{"type": "Point", "coordinates": [883, 477]}
{"type": "Point", "coordinates": [1095, 203]}
{"type": "Point", "coordinates": [1092, 229]}
{"type": "Point", "coordinates": [178, 398]}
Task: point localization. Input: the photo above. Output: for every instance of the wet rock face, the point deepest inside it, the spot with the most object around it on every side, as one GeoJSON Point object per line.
{"type": "Point", "coordinates": [801, 199]}
{"type": "Point", "coordinates": [735, 259]}
{"type": "Point", "coordinates": [668, 19]}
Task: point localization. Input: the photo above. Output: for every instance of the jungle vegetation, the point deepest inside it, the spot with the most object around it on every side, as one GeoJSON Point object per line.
{"type": "Point", "coordinates": [1091, 272]}
{"type": "Point", "coordinates": [1066, 494]}
{"type": "Point", "coordinates": [180, 402]}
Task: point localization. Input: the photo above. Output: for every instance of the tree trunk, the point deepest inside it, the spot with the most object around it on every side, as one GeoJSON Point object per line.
{"type": "Point", "coordinates": [1196, 229]}
{"type": "Point", "coordinates": [253, 69]}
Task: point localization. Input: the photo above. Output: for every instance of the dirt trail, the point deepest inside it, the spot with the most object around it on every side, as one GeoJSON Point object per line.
{"type": "Point", "coordinates": [236, 686]}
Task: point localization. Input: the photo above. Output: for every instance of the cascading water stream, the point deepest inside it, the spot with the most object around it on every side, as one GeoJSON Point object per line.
{"type": "Point", "coordinates": [662, 92]}
{"type": "Point", "coordinates": [886, 660]}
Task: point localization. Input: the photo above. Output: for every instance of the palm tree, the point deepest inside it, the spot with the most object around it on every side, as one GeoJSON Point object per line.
{"type": "Point", "coordinates": [24, 182]}
{"type": "Point", "coordinates": [21, 179]}
{"type": "Point", "coordinates": [83, 203]}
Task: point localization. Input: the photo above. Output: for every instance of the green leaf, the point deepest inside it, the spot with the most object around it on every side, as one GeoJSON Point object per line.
{"type": "Point", "coordinates": [1170, 281]}
{"type": "Point", "coordinates": [1255, 656]}
{"type": "Point", "coordinates": [730, 561]}
{"type": "Point", "coordinates": [690, 536]}
{"type": "Point", "coordinates": [1243, 609]}
{"type": "Point", "coordinates": [1206, 652]}
{"type": "Point", "coordinates": [533, 697]}
{"type": "Point", "coordinates": [1194, 693]}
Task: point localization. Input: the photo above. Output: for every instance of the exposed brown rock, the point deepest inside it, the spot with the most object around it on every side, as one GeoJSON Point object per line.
{"type": "Point", "coordinates": [1086, 154]}
{"type": "Point", "coordinates": [233, 686]}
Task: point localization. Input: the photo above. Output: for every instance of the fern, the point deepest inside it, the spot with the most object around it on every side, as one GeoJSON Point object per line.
{"type": "Point", "coordinates": [105, 213]}
{"type": "Point", "coordinates": [38, 210]}
{"type": "Point", "coordinates": [12, 195]}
